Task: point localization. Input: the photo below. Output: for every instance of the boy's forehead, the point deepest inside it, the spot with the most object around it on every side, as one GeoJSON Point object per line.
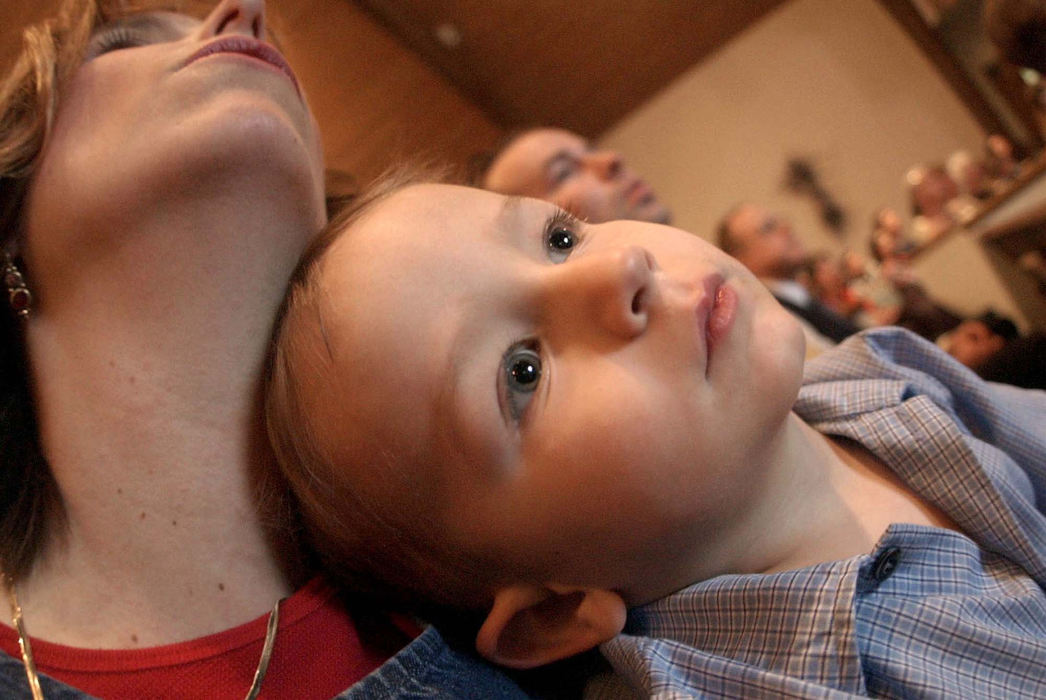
{"type": "Point", "coordinates": [425, 219]}
{"type": "Point", "coordinates": [398, 267]}
{"type": "Point", "coordinates": [449, 200]}
{"type": "Point", "coordinates": [391, 296]}
{"type": "Point", "coordinates": [377, 281]}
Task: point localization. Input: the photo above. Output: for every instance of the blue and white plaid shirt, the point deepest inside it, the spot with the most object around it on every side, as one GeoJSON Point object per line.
{"type": "Point", "coordinates": [929, 612]}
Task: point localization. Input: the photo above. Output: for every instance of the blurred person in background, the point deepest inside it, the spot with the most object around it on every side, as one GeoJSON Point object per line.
{"type": "Point", "coordinates": [1018, 29]}
{"type": "Point", "coordinates": [991, 346]}
{"type": "Point", "coordinates": [769, 247]}
{"type": "Point", "coordinates": [562, 167]}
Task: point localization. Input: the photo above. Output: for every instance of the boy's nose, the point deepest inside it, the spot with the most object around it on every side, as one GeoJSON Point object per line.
{"type": "Point", "coordinates": [246, 17]}
{"type": "Point", "coordinates": [607, 291]}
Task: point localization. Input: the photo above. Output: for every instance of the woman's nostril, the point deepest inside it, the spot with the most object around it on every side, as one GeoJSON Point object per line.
{"type": "Point", "coordinates": [637, 301]}
{"type": "Point", "coordinates": [225, 22]}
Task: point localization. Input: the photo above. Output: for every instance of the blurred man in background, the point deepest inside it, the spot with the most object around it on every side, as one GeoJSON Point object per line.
{"type": "Point", "coordinates": [768, 246]}
{"type": "Point", "coordinates": [562, 167]}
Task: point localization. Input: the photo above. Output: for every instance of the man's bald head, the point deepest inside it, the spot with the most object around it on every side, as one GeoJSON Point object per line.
{"type": "Point", "coordinates": [562, 167]}
{"type": "Point", "coordinates": [764, 242]}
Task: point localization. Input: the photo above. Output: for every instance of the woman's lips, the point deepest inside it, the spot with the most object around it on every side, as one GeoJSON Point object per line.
{"type": "Point", "coordinates": [252, 48]}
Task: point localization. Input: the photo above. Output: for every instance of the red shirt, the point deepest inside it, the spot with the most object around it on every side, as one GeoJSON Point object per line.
{"type": "Point", "coordinates": [318, 654]}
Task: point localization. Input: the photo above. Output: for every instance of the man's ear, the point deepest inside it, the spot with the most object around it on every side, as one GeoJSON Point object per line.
{"type": "Point", "coordinates": [532, 625]}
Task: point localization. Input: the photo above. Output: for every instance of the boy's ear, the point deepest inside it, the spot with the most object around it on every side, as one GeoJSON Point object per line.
{"type": "Point", "coordinates": [532, 625]}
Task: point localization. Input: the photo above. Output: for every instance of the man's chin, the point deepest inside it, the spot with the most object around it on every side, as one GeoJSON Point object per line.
{"type": "Point", "coordinates": [657, 213]}
{"type": "Point", "coordinates": [664, 216]}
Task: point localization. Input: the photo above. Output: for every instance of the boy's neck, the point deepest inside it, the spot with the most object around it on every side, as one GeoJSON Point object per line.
{"type": "Point", "coordinates": [831, 499]}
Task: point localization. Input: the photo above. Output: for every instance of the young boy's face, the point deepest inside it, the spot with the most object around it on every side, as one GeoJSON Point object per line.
{"type": "Point", "coordinates": [588, 402]}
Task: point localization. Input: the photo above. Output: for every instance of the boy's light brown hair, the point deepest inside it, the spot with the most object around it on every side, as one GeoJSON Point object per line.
{"type": "Point", "coordinates": [388, 551]}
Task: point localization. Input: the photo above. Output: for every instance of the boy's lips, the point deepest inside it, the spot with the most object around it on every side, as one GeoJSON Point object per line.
{"type": "Point", "coordinates": [251, 48]}
{"type": "Point", "coordinates": [715, 313]}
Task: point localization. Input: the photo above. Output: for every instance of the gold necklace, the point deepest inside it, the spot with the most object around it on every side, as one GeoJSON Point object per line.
{"type": "Point", "coordinates": [34, 678]}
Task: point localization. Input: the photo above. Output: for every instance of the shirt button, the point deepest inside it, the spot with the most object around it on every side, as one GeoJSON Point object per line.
{"type": "Point", "coordinates": [886, 563]}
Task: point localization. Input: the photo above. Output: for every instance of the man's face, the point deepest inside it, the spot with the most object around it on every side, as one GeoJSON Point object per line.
{"type": "Point", "coordinates": [563, 168]}
{"type": "Point", "coordinates": [590, 400]}
{"type": "Point", "coordinates": [766, 244]}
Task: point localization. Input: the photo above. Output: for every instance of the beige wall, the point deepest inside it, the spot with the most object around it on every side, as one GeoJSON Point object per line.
{"type": "Point", "coordinates": [836, 81]}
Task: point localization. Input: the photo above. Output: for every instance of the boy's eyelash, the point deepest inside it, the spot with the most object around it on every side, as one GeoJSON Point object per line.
{"type": "Point", "coordinates": [561, 220]}
{"type": "Point", "coordinates": [562, 217]}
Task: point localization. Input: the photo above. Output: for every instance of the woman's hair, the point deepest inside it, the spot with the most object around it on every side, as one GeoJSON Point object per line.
{"type": "Point", "coordinates": [390, 552]}
{"type": "Point", "coordinates": [29, 500]}
{"type": "Point", "coordinates": [30, 506]}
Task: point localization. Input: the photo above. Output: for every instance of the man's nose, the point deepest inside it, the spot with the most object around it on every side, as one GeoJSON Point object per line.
{"type": "Point", "coordinates": [245, 17]}
{"type": "Point", "coordinates": [606, 165]}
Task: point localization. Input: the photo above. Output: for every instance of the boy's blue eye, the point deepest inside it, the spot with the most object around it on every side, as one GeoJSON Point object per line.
{"type": "Point", "coordinates": [561, 239]}
{"type": "Point", "coordinates": [522, 371]}
{"type": "Point", "coordinates": [561, 236]}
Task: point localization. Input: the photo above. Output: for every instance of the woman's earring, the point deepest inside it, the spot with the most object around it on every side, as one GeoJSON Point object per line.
{"type": "Point", "coordinates": [18, 295]}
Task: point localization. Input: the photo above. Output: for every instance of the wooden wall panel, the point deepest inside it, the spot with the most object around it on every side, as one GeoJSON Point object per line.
{"type": "Point", "coordinates": [375, 100]}
{"type": "Point", "coordinates": [582, 65]}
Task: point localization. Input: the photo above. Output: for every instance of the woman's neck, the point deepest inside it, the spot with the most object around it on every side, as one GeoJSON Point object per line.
{"type": "Point", "coordinates": [148, 392]}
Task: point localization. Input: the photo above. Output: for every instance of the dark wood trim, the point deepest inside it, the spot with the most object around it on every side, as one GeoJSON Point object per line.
{"type": "Point", "coordinates": [1031, 170]}
{"type": "Point", "coordinates": [905, 13]}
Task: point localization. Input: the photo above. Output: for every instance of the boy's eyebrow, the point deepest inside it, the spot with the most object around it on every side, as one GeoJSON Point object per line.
{"type": "Point", "coordinates": [323, 333]}
{"type": "Point", "coordinates": [447, 394]}
{"type": "Point", "coordinates": [451, 422]}
{"type": "Point", "coordinates": [508, 225]}
{"type": "Point", "coordinates": [509, 209]}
